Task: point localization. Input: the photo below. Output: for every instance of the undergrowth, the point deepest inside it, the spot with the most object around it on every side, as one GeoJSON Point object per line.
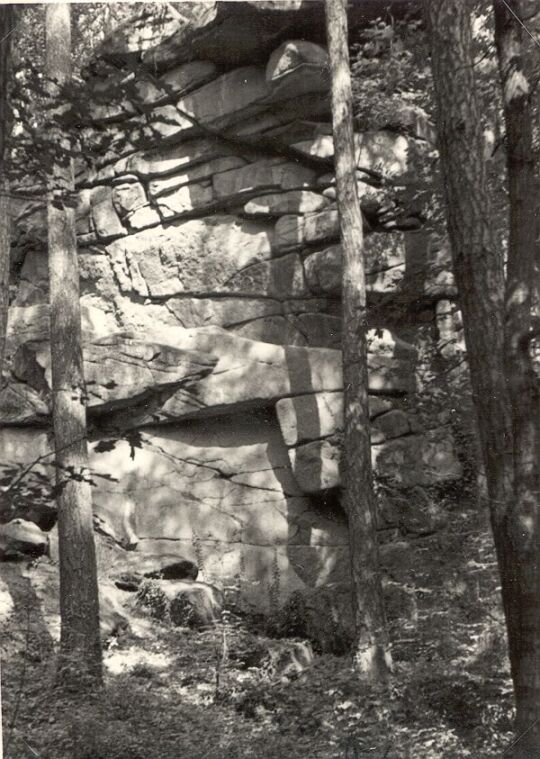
{"type": "Point", "coordinates": [207, 695]}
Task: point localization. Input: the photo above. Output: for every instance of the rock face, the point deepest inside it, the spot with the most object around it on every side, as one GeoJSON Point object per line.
{"type": "Point", "coordinates": [210, 283]}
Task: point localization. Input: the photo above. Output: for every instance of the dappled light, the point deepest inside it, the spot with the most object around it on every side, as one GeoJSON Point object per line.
{"type": "Point", "coordinates": [269, 407]}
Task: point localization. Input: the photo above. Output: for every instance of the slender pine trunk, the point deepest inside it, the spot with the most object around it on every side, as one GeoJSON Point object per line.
{"type": "Point", "coordinates": [80, 647]}
{"type": "Point", "coordinates": [7, 20]}
{"type": "Point", "coordinates": [522, 382]}
{"type": "Point", "coordinates": [372, 655]}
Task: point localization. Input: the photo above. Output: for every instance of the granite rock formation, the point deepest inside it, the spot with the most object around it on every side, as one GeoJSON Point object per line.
{"type": "Point", "coordinates": [210, 289]}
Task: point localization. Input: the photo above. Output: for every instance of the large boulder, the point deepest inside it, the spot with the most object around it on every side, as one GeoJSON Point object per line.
{"type": "Point", "coordinates": [185, 603]}
{"type": "Point", "coordinates": [20, 538]}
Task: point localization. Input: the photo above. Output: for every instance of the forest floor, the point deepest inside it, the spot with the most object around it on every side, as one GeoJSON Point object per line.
{"type": "Point", "coordinates": [171, 692]}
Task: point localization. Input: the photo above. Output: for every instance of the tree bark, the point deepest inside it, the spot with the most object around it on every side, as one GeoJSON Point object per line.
{"type": "Point", "coordinates": [80, 646]}
{"type": "Point", "coordinates": [493, 335]}
{"type": "Point", "coordinates": [7, 20]}
{"type": "Point", "coordinates": [522, 382]}
{"type": "Point", "coordinates": [372, 656]}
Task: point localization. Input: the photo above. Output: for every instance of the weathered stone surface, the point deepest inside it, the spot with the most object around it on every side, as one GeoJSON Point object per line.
{"type": "Point", "coordinates": [319, 330]}
{"type": "Point", "coordinates": [21, 404]}
{"type": "Point", "coordinates": [296, 231]}
{"type": "Point", "coordinates": [29, 223]}
{"type": "Point", "coordinates": [316, 465]}
{"type": "Point", "coordinates": [323, 270]}
{"type": "Point", "coordinates": [133, 568]}
{"type": "Point", "coordinates": [219, 103]}
{"type": "Point", "coordinates": [297, 53]}
{"type": "Point", "coordinates": [187, 76]}
{"type": "Point", "coordinates": [385, 153]}
{"type": "Point", "coordinates": [310, 417]}
{"type": "Point", "coordinates": [296, 68]}
{"type": "Point", "coordinates": [193, 604]}
{"type": "Point", "coordinates": [420, 459]}
{"type": "Point", "coordinates": [272, 329]}
{"type": "Point", "coordinates": [20, 538]}
{"type": "Point", "coordinates": [230, 34]}
{"type": "Point", "coordinates": [105, 218]}
{"type": "Point", "coordinates": [313, 106]}
{"type": "Point", "coordinates": [185, 200]}
{"type": "Point", "coordinates": [193, 256]}
{"type": "Point", "coordinates": [271, 174]}
{"type": "Point", "coordinates": [250, 371]}
{"type": "Point", "coordinates": [143, 217]}
{"type": "Point", "coordinates": [201, 171]}
{"type": "Point", "coordinates": [118, 370]}
{"type": "Point", "coordinates": [291, 322]}
{"type": "Point", "coordinates": [183, 602]}
{"type": "Point", "coordinates": [279, 278]}
{"type": "Point", "coordinates": [256, 373]}
{"type": "Point", "coordinates": [26, 323]}
{"type": "Point", "coordinates": [277, 204]}
{"type": "Point", "coordinates": [177, 256]}
{"type": "Point", "coordinates": [316, 330]}
{"type": "Point", "coordinates": [206, 481]}
{"type": "Point", "coordinates": [127, 196]}
{"type": "Point", "coordinates": [236, 35]}
{"type": "Point", "coordinates": [33, 286]}
{"type": "Point", "coordinates": [176, 159]}
{"type": "Point", "coordinates": [384, 260]}
{"type": "Point", "coordinates": [224, 312]}
{"type": "Point", "coordinates": [108, 97]}
{"type": "Point", "coordinates": [83, 213]}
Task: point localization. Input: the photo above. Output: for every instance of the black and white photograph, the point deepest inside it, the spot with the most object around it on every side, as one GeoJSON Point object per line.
{"type": "Point", "coordinates": [270, 379]}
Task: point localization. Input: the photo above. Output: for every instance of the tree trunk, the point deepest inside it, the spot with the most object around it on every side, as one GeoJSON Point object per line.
{"type": "Point", "coordinates": [7, 21]}
{"type": "Point", "coordinates": [522, 383]}
{"type": "Point", "coordinates": [372, 655]}
{"type": "Point", "coordinates": [80, 647]}
{"type": "Point", "coordinates": [490, 327]}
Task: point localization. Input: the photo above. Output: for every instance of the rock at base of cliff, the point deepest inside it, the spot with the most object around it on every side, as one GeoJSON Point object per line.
{"type": "Point", "coordinates": [20, 539]}
{"type": "Point", "coordinates": [186, 603]}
